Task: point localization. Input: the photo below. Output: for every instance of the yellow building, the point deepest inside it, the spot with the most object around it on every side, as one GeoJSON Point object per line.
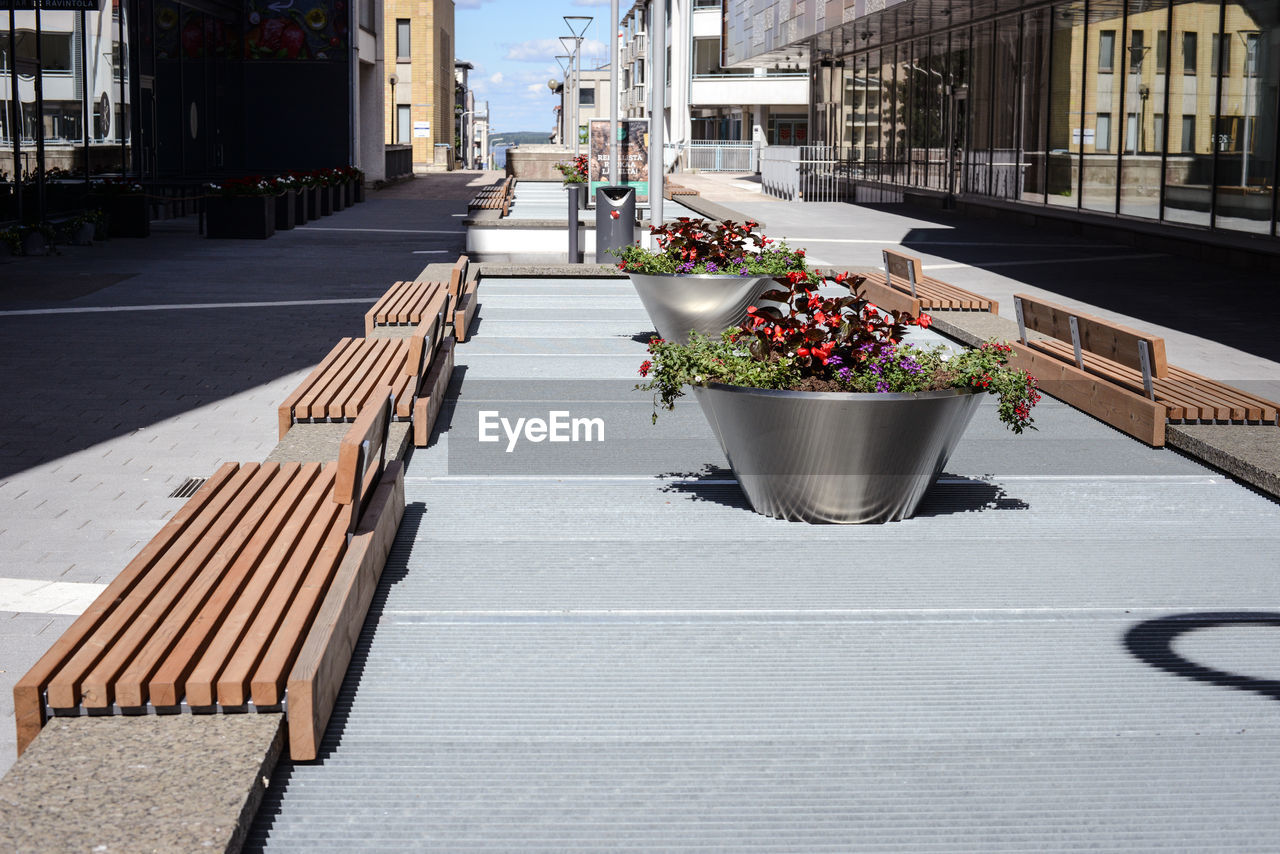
{"type": "Point", "coordinates": [420, 80]}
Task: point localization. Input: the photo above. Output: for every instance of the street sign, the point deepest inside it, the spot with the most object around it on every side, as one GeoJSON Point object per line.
{"type": "Point", "coordinates": [52, 5]}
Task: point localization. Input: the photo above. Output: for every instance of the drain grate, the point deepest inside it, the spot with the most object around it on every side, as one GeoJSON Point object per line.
{"type": "Point", "coordinates": [188, 487]}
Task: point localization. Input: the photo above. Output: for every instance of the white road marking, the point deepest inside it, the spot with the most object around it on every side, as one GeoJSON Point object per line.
{"type": "Point", "coordinates": [29, 596]}
{"type": "Point", "coordinates": [186, 306]}
{"type": "Point", "coordinates": [429, 251]}
{"type": "Point", "coordinates": [380, 230]}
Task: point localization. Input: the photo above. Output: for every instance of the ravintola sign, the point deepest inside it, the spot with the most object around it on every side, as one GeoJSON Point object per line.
{"type": "Point", "coordinates": [53, 5]}
{"type": "Point", "coordinates": [633, 155]}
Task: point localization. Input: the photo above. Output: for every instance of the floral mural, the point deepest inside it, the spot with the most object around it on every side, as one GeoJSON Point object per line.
{"type": "Point", "coordinates": [296, 29]}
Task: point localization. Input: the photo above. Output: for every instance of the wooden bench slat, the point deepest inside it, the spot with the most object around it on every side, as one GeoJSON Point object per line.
{"type": "Point", "coordinates": [268, 681]}
{"type": "Point", "coordinates": [1101, 337]}
{"type": "Point", "coordinates": [465, 311]}
{"type": "Point", "coordinates": [376, 355]}
{"type": "Point", "coordinates": [167, 686]}
{"type": "Point", "coordinates": [403, 388]}
{"type": "Point", "coordinates": [358, 355]}
{"type": "Point", "coordinates": [297, 510]}
{"type": "Point", "coordinates": [233, 680]}
{"type": "Point", "coordinates": [310, 402]}
{"type": "Point", "coordinates": [28, 691]}
{"type": "Point", "coordinates": [1180, 405]}
{"type": "Point", "coordinates": [63, 684]}
{"type": "Point", "coordinates": [285, 413]}
{"type": "Point", "coordinates": [97, 685]}
{"type": "Point", "coordinates": [176, 631]}
{"type": "Point", "coordinates": [380, 376]}
{"type": "Point", "coordinates": [402, 307]}
{"type": "Point", "coordinates": [1258, 408]}
{"type": "Point", "coordinates": [378, 314]}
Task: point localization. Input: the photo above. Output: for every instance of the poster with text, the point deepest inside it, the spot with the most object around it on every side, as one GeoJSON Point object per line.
{"type": "Point", "coordinates": [633, 156]}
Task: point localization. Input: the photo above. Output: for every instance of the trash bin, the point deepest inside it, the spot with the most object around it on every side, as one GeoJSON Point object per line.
{"type": "Point", "coordinates": [615, 221]}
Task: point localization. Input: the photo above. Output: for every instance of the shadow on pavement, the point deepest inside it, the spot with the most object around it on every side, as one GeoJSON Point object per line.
{"type": "Point", "coordinates": [1152, 642]}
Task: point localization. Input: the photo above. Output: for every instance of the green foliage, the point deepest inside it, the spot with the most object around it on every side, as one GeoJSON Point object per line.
{"type": "Point", "coordinates": [705, 360]}
{"type": "Point", "coordinates": [693, 246]}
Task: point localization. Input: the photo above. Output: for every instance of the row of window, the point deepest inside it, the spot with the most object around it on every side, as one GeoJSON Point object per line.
{"type": "Point", "coordinates": [1220, 52]}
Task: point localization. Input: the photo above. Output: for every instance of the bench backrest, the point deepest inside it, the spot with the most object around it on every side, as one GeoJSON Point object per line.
{"type": "Point", "coordinates": [897, 265]}
{"type": "Point", "coordinates": [458, 277]}
{"type": "Point", "coordinates": [1121, 344]}
{"type": "Point", "coordinates": [422, 343]}
{"type": "Point", "coordinates": [362, 455]}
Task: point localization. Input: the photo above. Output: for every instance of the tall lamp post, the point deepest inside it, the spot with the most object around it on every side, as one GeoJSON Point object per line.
{"type": "Point", "coordinates": [395, 112]}
{"type": "Point", "coordinates": [566, 65]}
{"type": "Point", "coordinates": [577, 25]}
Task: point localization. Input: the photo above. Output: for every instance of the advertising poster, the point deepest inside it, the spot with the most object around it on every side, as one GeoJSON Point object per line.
{"type": "Point", "coordinates": [633, 156]}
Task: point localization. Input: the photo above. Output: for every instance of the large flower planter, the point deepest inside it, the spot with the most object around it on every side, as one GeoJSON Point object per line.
{"type": "Point", "coordinates": [300, 216]}
{"type": "Point", "coordinates": [705, 303]}
{"type": "Point", "coordinates": [359, 191]}
{"type": "Point", "coordinates": [128, 214]}
{"type": "Point", "coordinates": [348, 193]}
{"type": "Point", "coordinates": [339, 197]}
{"type": "Point", "coordinates": [835, 457]}
{"type": "Point", "coordinates": [313, 203]}
{"type": "Point", "coordinates": [243, 217]}
{"type": "Point", "coordinates": [286, 210]}
{"type": "Point", "coordinates": [326, 199]}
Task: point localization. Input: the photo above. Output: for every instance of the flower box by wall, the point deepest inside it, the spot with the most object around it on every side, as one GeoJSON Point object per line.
{"type": "Point", "coordinates": [339, 196]}
{"type": "Point", "coordinates": [325, 195]}
{"type": "Point", "coordinates": [301, 214]}
{"type": "Point", "coordinates": [242, 217]}
{"type": "Point", "coordinates": [128, 214]}
{"type": "Point", "coordinates": [286, 207]}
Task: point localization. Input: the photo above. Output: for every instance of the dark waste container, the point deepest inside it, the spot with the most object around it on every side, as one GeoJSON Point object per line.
{"type": "Point", "coordinates": [615, 221]}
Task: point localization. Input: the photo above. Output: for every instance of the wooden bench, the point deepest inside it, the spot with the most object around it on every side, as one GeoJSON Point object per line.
{"type": "Point", "coordinates": [669, 191]}
{"type": "Point", "coordinates": [416, 369]}
{"type": "Point", "coordinates": [1121, 375]}
{"type": "Point", "coordinates": [497, 197]}
{"type": "Point", "coordinates": [407, 303]}
{"type": "Point", "coordinates": [250, 598]}
{"type": "Point", "coordinates": [904, 287]}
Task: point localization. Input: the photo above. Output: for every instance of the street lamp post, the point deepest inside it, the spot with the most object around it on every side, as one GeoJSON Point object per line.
{"type": "Point", "coordinates": [566, 65]}
{"type": "Point", "coordinates": [577, 25]}
{"type": "Point", "coordinates": [395, 113]}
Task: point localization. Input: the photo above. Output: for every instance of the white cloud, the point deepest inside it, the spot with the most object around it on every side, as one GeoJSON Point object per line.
{"type": "Point", "coordinates": [470, 4]}
{"type": "Point", "coordinates": [538, 89]}
{"type": "Point", "coordinates": [496, 78]}
{"type": "Point", "coordinates": [540, 50]}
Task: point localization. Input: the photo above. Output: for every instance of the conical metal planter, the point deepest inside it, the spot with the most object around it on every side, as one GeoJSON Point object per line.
{"type": "Point", "coordinates": [706, 303]}
{"type": "Point", "coordinates": [835, 457]}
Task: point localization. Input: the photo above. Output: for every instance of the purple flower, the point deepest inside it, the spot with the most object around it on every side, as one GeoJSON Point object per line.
{"type": "Point", "coordinates": [712, 268]}
{"type": "Point", "coordinates": [882, 386]}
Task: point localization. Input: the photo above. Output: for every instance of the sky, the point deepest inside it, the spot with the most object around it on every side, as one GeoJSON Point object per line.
{"type": "Point", "coordinates": [513, 45]}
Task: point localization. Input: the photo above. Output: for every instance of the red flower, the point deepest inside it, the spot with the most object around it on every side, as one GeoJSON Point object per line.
{"type": "Point", "coordinates": [795, 277]}
{"type": "Point", "coordinates": [840, 277]}
{"type": "Point", "coordinates": [924, 320]}
{"type": "Point", "coordinates": [644, 367]}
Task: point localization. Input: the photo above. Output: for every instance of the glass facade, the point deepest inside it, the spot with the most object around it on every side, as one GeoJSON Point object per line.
{"type": "Point", "coordinates": [1154, 109]}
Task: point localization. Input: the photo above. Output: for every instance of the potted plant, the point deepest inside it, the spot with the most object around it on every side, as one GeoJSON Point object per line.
{"type": "Point", "coordinates": [574, 174]}
{"type": "Point", "coordinates": [122, 201]}
{"type": "Point", "coordinates": [306, 204]}
{"type": "Point", "coordinates": [242, 208]}
{"type": "Point", "coordinates": [337, 183]}
{"type": "Point", "coordinates": [357, 183]}
{"type": "Point", "coordinates": [824, 414]}
{"type": "Point", "coordinates": [82, 229]}
{"type": "Point", "coordinates": [703, 275]}
{"type": "Point", "coordinates": [287, 188]}
{"type": "Point", "coordinates": [11, 240]}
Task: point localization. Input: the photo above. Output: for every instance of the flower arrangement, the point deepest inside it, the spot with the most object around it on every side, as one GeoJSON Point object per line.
{"type": "Point", "coordinates": [255, 185]}
{"type": "Point", "coordinates": [574, 172]}
{"type": "Point", "coordinates": [812, 342]}
{"type": "Point", "coordinates": [289, 181]}
{"type": "Point", "coordinates": [695, 246]}
{"type": "Point", "coordinates": [115, 186]}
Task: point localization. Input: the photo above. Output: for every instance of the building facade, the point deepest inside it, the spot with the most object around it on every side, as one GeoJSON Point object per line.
{"type": "Point", "coordinates": [422, 95]}
{"type": "Point", "coordinates": [171, 89]}
{"type": "Point", "coordinates": [706, 99]}
{"type": "Point", "coordinates": [1159, 110]}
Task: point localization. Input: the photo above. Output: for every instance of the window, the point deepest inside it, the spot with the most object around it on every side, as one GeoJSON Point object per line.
{"type": "Point", "coordinates": [366, 16]}
{"type": "Point", "coordinates": [1137, 51]}
{"type": "Point", "coordinates": [1106, 51]}
{"type": "Point", "coordinates": [1188, 134]}
{"type": "Point", "coordinates": [587, 96]}
{"type": "Point", "coordinates": [1189, 53]}
{"type": "Point", "coordinates": [1251, 55]}
{"type": "Point", "coordinates": [1158, 142]}
{"type": "Point", "coordinates": [402, 38]}
{"type": "Point", "coordinates": [1131, 133]}
{"type": "Point", "coordinates": [1220, 46]}
{"type": "Point", "coordinates": [1162, 51]}
{"type": "Point", "coordinates": [1102, 139]}
{"type": "Point", "coordinates": [404, 125]}
{"type": "Point", "coordinates": [706, 59]}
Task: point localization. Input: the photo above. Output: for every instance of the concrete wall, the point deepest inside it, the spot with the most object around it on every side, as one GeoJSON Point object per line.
{"type": "Point", "coordinates": [537, 162]}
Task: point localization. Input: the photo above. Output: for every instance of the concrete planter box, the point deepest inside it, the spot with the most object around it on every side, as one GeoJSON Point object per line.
{"type": "Point", "coordinates": [339, 196]}
{"type": "Point", "coordinates": [325, 195]}
{"type": "Point", "coordinates": [313, 203]}
{"type": "Point", "coordinates": [128, 214]}
{"type": "Point", "coordinates": [286, 210]}
{"type": "Point", "coordinates": [241, 217]}
{"type": "Point", "coordinates": [836, 457]}
{"type": "Point", "coordinates": [300, 216]}
{"type": "Point", "coordinates": [359, 191]}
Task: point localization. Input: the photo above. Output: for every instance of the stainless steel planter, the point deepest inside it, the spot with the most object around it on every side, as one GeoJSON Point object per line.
{"type": "Point", "coordinates": [706, 303]}
{"type": "Point", "coordinates": [829, 457]}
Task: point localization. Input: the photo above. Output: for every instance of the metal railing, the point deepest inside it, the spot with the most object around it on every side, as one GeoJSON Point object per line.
{"type": "Point", "coordinates": [399, 161]}
{"type": "Point", "coordinates": [716, 156]}
{"type": "Point", "coordinates": [809, 173]}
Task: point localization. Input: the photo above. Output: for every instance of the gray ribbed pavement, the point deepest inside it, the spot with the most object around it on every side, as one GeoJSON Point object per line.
{"type": "Point", "coordinates": [599, 647]}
